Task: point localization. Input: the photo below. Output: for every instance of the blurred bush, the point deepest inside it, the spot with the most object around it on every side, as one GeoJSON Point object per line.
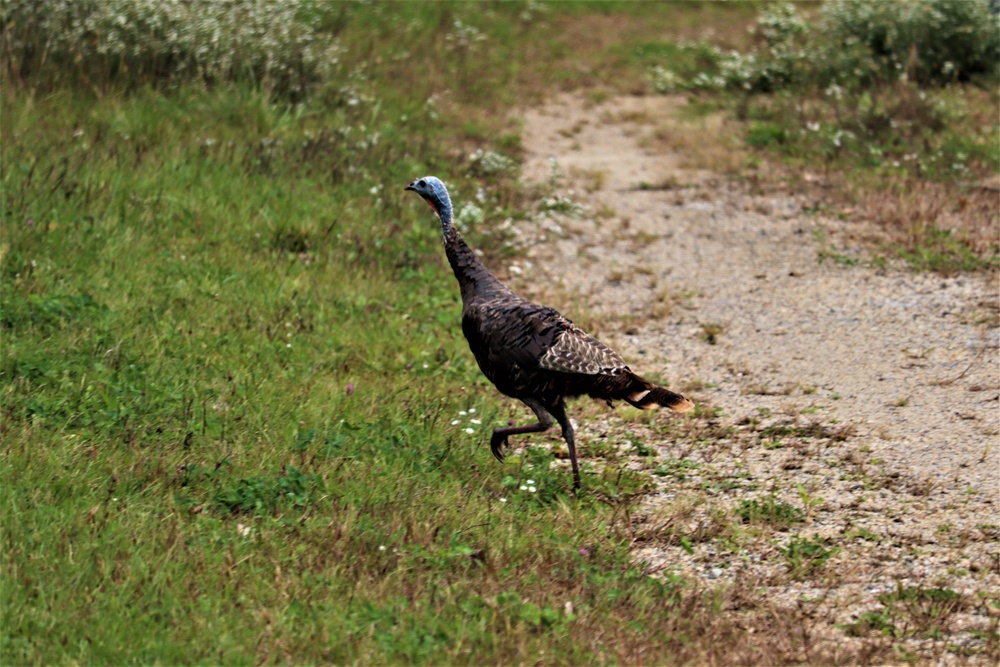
{"type": "Point", "coordinates": [856, 43]}
{"type": "Point", "coordinates": [158, 42]}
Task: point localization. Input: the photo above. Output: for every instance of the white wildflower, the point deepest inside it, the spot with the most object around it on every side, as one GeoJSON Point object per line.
{"type": "Point", "coordinates": [489, 163]}
{"type": "Point", "coordinates": [463, 36]}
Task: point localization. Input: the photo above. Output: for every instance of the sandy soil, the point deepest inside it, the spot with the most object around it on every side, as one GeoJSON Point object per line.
{"type": "Point", "coordinates": [866, 397]}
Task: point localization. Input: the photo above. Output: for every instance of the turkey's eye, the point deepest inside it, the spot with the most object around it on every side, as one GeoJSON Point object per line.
{"type": "Point", "coordinates": [422, 184]}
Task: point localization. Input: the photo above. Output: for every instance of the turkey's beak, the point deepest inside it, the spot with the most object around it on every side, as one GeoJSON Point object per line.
{"type": "Point", "coordinates": [410, 187]}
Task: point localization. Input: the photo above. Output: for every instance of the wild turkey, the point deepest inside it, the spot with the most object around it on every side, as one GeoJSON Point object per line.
{"type": "Point", "coordinates": [531, 352]}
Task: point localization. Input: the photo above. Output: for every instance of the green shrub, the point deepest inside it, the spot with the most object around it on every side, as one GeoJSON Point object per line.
{"type": "Point", "coordinates": [764, 134]}
{"type": "Point", "coordinates": [928, 41]}
{"type": "Point", "coordinates": [861, 43]}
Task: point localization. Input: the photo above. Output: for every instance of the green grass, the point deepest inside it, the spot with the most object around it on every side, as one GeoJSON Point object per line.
{"type": "Point", "coordinates": [231, 362]}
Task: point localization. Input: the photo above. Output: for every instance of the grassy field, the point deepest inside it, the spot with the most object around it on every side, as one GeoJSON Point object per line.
{"type": "Point", "coordinates": [239, 421]}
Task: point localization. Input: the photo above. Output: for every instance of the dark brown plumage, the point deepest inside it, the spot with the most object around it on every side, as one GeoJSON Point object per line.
{"type": "Point", "coordinates": [531, 352]}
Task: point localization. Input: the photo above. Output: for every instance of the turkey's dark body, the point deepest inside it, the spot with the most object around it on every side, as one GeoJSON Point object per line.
{"type": "Point", "coordinates": [509, 337]}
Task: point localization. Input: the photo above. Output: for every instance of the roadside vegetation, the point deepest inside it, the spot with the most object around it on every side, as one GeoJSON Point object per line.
{"type": "Point", "coordinates": [887, 110]}
{"type": "Point", "coordinates": [239, 422]}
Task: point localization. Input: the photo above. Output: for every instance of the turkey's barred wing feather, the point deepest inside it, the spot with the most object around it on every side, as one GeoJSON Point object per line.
{"type": "Point", "coordinates": [575, 351]}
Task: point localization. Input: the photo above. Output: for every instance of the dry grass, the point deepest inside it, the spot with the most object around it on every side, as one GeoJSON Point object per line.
{"type": "Point", "coordinates": [591, 180]}
{"type": "Point", "coordinates": [708, 143]}
{"type": "Point", "coordinates": [913, 213]}
{"type": "Point", "coordinates": [598, 45]}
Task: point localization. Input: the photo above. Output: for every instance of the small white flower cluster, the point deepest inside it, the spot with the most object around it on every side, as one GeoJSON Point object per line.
{"type": "Point", "coordinates": [489, 163]}
{"type": "Point", "coordinates": [464, 37]}
{"type": "Point", "coordinates": [463, 414]}
{"type": "Point", "coordinates": [529, 486]}
{"type": "Point", "coordinates": [469, 216]}
{"type": "Point", "coordinates": [531, 10]}
{"type": "Point", "coordinates": [663, 80]}
{"type": "Point", "coordinates": [432, 107]}
{"type": "Point", "coordinates": [559, 204]}
{"type": "Point", "coordinates": [779, 23]}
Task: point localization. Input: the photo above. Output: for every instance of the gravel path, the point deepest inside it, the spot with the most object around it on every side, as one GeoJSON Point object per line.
{"type": "Point", "coordinates": [866, 397]}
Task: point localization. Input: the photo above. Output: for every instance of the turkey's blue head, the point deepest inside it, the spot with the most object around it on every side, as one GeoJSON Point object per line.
{"type": "Point", "coordinates": [434, 193]}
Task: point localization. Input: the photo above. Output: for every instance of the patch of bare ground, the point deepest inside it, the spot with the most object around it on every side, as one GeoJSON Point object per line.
{"type": "Point", "coordinates": [842, 465]}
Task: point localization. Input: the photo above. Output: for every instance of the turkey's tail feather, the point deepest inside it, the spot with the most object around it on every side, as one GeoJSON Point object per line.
{"type": "Point", "coordinates": [650, 398]}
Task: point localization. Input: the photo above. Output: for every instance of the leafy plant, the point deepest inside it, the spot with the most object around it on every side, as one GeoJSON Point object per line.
{"type": "Point", "coordinates": [872, 621]}
{"type": "Point", "coordinates": [265, 493]}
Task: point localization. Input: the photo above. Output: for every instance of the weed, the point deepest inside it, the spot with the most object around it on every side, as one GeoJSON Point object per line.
{"type": "Point", "coordinates": [760, 135]}
{"type": "Point", "coordinates": [643, 450]}
{"type": "Point", "coordinates": [872, 621]}
{"type": "Point", "coordinates": [862, 534]}
{"type": "Point", "coordinates": [677, 469]}
{"type": "Point", "coordinates": [769, 511]}
{"type": "Point", "coordinates": [266, 493]}
{"type": "Point", "coordinates": [804, 556]}
{"type": "Point", "coordinates": [926, 611]}
{"type": "Point", "coordinates": [809, 502]}
{"type": "Point", "coordinates": [148, 42]}
{"type": "Point", "coordinates": [710, 332]}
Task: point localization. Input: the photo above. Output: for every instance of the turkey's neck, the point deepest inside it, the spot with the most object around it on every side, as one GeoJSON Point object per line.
{"type": "Point", "coordinates": [474, 279]}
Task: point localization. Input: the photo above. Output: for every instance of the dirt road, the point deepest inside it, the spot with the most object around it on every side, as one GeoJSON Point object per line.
{"type": "Point", "coordinates": [867, 398]}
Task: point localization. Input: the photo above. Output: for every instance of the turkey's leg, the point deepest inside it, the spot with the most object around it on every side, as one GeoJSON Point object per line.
{"type": "Point", "coordinates": [559, 411]}
{"type": "Point", "coordinates": [499, 437]}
